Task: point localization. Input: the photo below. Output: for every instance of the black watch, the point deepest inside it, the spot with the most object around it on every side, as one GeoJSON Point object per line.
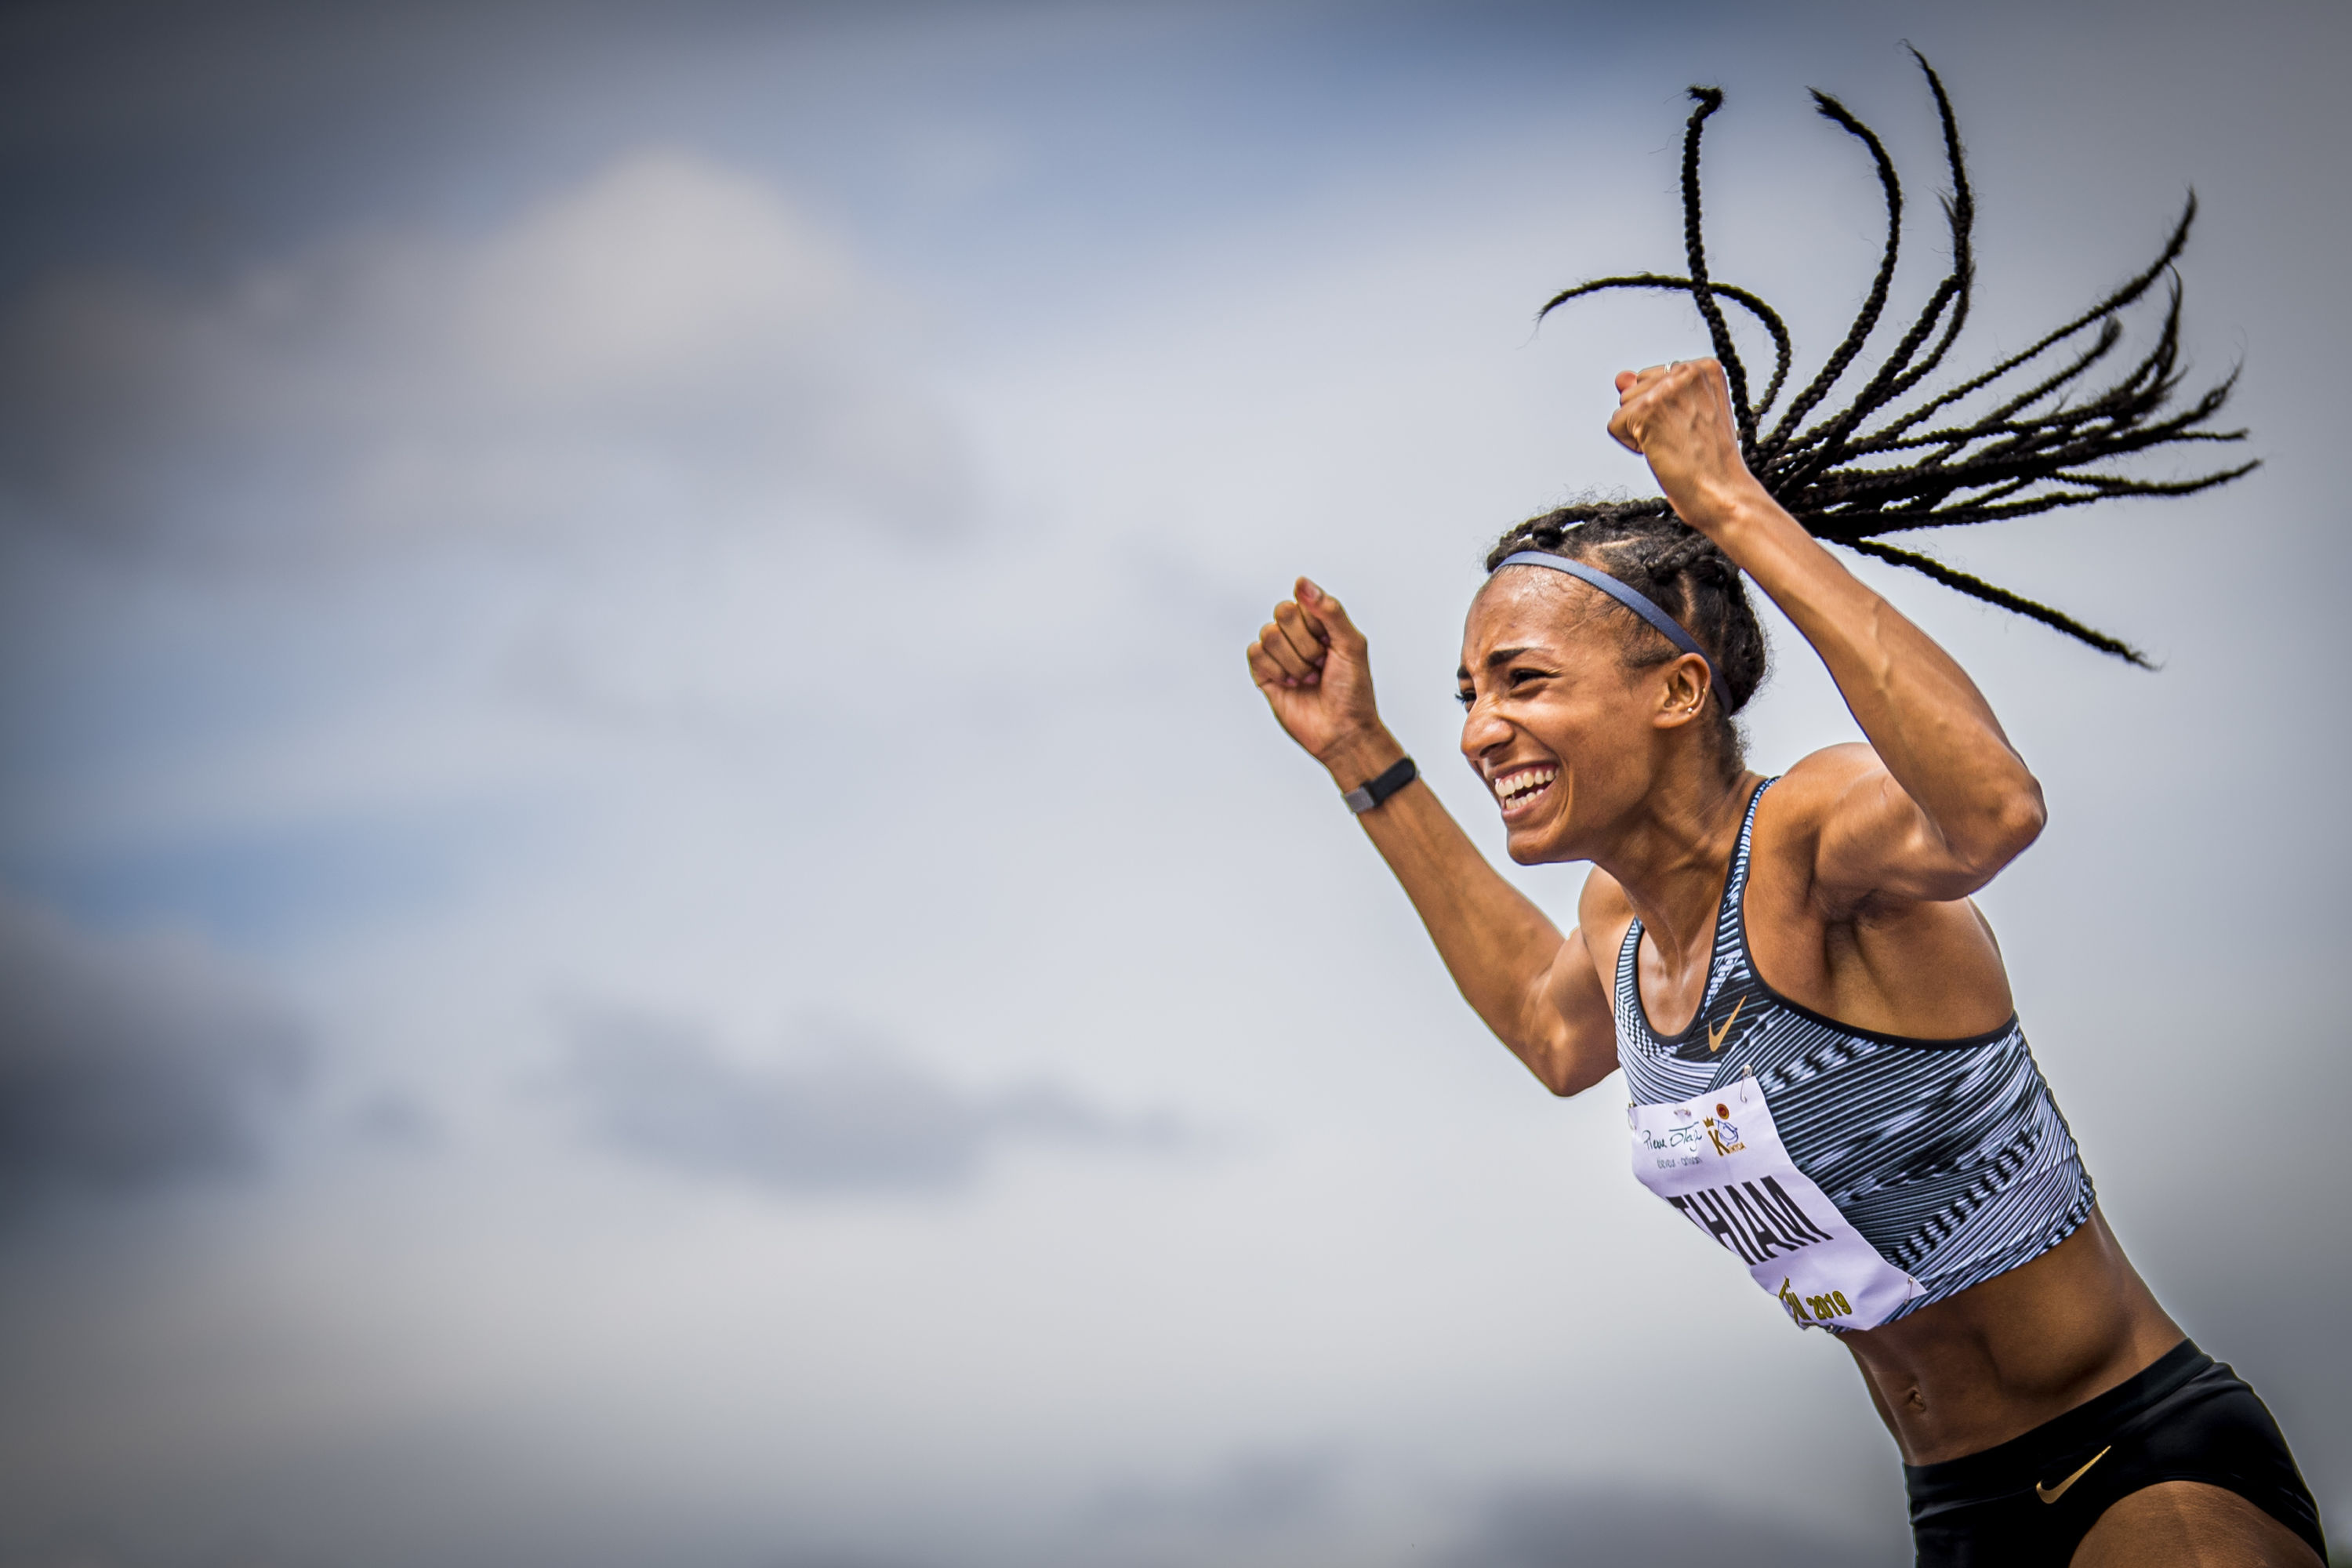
{"type": "Point", "coordinates": [1362, 798]}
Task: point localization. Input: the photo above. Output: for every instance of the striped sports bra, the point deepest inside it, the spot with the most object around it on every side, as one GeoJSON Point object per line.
{"type": "Point", "coordinates": [1948, 1157]}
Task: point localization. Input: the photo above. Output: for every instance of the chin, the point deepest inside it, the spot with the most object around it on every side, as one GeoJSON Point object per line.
{"type": "Point", "coordinates": [1537, 846]}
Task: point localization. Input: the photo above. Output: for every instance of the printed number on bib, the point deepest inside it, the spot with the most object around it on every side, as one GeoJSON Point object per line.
{"type": "Point", "coordinates": [1719, 1161]}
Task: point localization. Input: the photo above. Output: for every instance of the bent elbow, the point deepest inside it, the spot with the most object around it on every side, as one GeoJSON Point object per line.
{"type": "Point", "coordinates": [1556, 1071]}
{"type": "Point", "coordinates": [2007, 830]}
{"type": "Point", "coordinates": [1569, 1076]}
{"type": "Point", "coordinates": [2022, 819]}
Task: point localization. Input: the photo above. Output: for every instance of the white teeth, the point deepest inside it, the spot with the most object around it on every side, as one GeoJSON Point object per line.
{"type": "Point", "coordinates": [1514, 788]}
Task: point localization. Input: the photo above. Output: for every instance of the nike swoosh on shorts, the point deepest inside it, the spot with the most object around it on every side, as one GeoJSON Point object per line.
{"type": "Point", "coordinates": [2052, 1494]}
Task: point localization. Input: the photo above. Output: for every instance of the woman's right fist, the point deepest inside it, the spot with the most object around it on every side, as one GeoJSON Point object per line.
{"type": "Point", "coordinates": [1309, 660]}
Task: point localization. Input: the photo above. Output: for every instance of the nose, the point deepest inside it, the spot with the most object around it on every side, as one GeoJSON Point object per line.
{"type": "Point", "coordinates": [1482, 730]}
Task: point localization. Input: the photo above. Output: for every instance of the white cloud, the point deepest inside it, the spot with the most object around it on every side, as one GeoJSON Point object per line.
{"type": "Point", "coordinates": [853, 1117]}
{"type": "Point", "coordinates": [670, 342]}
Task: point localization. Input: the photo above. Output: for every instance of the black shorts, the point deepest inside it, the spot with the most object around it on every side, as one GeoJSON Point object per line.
{"type": "Point", "coordinates": [2028, 1502]}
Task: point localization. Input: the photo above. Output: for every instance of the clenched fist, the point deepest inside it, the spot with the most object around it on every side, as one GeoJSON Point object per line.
{"type": "Point", "coordinates": [1679, 418]}
{"type": "Point", "coordinates": [1310, 661]}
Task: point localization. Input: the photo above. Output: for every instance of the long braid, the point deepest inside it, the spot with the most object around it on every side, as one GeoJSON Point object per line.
{"type": "Point", "coordinates": [1960, 219]}
{"type": "Point", "coordinates": [2105, 309]}
{"type": "Point", "coordinates": [1897, 375]}
{"type": "Point", "coordinates": [1764, 313]}
{"type": "Point", "coordinates": [1835, 476]}
{"type": "Point", "coordinates": [1719, 332]}
{"type": "Point", "coordinates": [1977, 588]}
{"type": "Point", "coordinates": [1873, 303]}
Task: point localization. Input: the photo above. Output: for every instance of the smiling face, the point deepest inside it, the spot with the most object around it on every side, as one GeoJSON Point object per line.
{"type": "Point", "coordinates": [1568, 736]}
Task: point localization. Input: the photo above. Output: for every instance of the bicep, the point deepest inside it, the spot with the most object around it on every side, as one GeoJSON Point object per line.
{"type": "Point", "coordinates": [1584, 1023]}
{"type": "Point", "coordinates": [1871, 842]}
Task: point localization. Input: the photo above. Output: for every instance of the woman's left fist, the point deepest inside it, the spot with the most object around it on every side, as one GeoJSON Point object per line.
{"type": "Point", "coordinates": [1678, 417]}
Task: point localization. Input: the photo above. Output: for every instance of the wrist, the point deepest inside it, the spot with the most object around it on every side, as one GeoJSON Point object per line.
{"type": "Point", "coordinates": [1357, 759]}
{"type": "Point", "coordinates": [1733, 512]}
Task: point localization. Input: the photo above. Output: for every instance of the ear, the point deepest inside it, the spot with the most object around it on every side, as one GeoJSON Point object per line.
{"type": "Point", "coordinates": [1682, 688]}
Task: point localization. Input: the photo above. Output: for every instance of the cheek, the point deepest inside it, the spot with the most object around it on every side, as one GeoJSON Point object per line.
{"type": "Point", "coordinates": [1575, 732]}
{"type": "Point", "coordinates": [1601, 749]}
{"type": "Point", "coordinates": [1613, 778]}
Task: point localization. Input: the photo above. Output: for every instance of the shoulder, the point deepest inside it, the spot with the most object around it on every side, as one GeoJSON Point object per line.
{"type": "Point", "coordinates": [1603, 914]}
{"type": "Point", "coordinates": [1830, 774]}
{"type": "Point", "coordinates": [1820, 802]}
{"type": "Point", "coordinates": [1819, 788]}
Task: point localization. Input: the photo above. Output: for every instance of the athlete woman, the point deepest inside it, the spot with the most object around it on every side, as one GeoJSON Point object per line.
{"type": "Point", "coordinates": [2046, 1408]}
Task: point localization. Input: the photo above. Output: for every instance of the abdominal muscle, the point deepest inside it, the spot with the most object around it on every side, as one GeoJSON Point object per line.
{"type": "Point", "coordinates": [2000, 1359]}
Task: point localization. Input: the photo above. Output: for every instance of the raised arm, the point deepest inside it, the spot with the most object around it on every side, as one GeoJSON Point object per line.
{"type": "Point", "coordinates": [1950, 802]}
{"type": "Point", "coordinates": [1537, 990]}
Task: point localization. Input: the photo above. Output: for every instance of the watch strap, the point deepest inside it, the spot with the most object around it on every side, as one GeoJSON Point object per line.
{"type": "Point", "coordinates": [1364, 798]}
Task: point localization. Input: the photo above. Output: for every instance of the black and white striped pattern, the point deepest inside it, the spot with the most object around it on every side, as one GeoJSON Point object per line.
{"type": "Point", "coordinates": [1949, 1156]}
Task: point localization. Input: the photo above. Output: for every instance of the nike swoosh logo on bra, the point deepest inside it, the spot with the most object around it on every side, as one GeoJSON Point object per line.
{"type": "Point", "coordinates": [2052, 1494]}
{"type": "Point", "coordinates": [1715, 1036]}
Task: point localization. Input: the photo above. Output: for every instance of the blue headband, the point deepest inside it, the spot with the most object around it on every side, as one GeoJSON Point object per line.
{"type": "Point", "coordinates": [1633, 599]}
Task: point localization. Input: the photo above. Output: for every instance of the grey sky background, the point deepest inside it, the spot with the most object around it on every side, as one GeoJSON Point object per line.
{"type": "Point", "coordinates": [647, 916]}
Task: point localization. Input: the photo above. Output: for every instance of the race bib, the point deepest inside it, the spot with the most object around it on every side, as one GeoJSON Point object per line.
{"type": "Point", "coordinates": [1720, 1160]}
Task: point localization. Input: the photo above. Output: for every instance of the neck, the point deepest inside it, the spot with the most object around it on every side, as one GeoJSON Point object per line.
{"type": "Point", "coordinates": [1670, 855]}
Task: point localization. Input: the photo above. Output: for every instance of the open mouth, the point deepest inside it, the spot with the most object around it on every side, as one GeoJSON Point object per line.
{"type": "Point", "coordinates": [1520, 786]}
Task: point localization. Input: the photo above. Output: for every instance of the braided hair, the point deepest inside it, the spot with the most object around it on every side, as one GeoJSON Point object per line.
{"type": "Point", "coordinates": [1874, 467]}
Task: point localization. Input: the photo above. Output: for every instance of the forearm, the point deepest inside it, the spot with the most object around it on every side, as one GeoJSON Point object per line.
{"type": "Point", "coordinates": [1925, 719]}
{"type": "Point", "coordinates": [1498, 947]}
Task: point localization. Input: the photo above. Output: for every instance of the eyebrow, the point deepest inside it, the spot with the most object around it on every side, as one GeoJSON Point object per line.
{"type": "Point", "coordinates": [1495, 660]}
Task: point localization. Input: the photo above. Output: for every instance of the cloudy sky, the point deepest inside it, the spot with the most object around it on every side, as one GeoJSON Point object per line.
{"type": "Point", "coordinates": [647, 917]}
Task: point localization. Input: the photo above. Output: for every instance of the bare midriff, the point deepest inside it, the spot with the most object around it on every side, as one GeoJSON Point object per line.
{"type": "Point", "coordinates": [1998, 1360]}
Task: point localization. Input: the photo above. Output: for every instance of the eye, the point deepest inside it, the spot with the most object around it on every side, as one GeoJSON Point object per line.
{"type": "Point", "coordinates": [1465, 696]}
